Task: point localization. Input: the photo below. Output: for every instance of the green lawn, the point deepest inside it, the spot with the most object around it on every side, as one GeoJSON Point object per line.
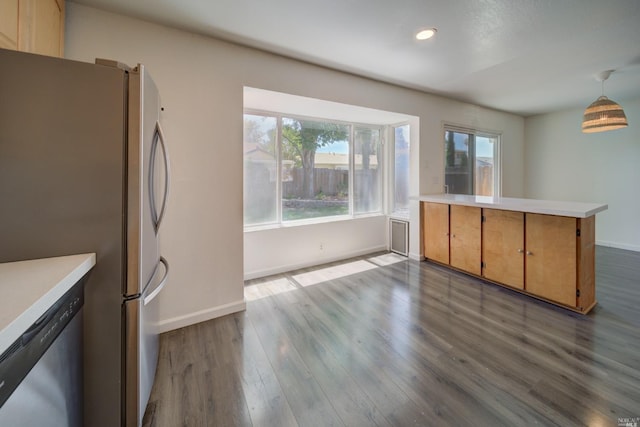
{"type": "Point", "coordinates": [289, 214]}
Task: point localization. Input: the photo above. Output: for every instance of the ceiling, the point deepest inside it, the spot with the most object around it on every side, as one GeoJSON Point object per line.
{"type": "Point", "coordinates": [522, 56]}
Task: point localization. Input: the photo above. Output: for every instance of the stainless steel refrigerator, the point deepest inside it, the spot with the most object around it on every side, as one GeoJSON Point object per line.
{"type": "Point", "coordinates": [84, 168]}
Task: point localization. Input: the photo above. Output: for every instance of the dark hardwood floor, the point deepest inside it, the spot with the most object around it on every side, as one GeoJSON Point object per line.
{"type": "Point", "coordinates": [409, 343]}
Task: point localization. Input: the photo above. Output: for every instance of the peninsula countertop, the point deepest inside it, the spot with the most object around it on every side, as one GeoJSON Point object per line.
{"type": "Point", "coordinates": [29, 288]}
{"type": "Point", "coordinates": [549, 207]}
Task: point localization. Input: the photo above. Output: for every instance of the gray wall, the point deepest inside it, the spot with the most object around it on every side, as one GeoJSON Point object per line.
{"type": "Point", "coordinates": [562, 163]}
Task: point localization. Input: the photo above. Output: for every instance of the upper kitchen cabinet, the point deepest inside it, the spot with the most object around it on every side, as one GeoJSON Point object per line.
{"type": "Point", "coordinates": [41, 27]}
{"type": "Point", "coordinates": [9, 24]}
{"type": "Point", "coordinates": [35, 26]}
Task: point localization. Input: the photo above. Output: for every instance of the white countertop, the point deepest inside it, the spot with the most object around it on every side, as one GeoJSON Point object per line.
{"type": "Point", "coordinates": [29, 288]}
{"type": "Point", "coordinates": [549, 207]}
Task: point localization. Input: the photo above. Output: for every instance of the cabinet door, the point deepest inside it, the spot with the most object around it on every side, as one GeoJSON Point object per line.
{"type": "Point", "coordinates": [435, 218]}
{"type": "Point", "coordinates": [503, 247]}
{"type": "Point", "coordinates": [41, 27]}
{"type": "Point", "coordinates": [9, 24]}
{"type": "Point", "coordinates": [466, 231]}
{"type": "Point", "coordinates": [550, 261]}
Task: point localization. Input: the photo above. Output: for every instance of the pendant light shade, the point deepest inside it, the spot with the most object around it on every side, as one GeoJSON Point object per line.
{"type": "Point", "coordinates": [603, 114]}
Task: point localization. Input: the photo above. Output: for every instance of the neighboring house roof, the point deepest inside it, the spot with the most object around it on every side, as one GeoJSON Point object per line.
{"type": "Point", "coordinates": [254, 152]}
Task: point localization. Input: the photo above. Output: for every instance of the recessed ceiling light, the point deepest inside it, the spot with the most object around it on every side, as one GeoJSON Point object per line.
{"type": "Point", "coordinates": [426, 34]}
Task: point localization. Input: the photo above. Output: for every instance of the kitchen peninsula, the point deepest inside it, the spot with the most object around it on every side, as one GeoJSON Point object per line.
{"type": "Point", "coordinates": [542, 248]}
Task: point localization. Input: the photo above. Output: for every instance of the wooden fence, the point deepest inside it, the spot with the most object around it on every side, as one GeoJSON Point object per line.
{"type": "Point", "coordinates": [330, 182]}
{"type": "Point", "coordinates": [459, 181]}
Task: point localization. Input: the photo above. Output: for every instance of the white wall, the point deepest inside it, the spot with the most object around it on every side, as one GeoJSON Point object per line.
{"type": "Point", "coordinates": [284, 249]}
{"type": "Point", "coordinates": [562, 163]}
{"type": "Point", "coordinates": [201, 82]}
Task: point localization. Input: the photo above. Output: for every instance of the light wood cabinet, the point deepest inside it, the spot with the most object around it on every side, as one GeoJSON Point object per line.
{"type": "Point", "coordinates": [9, 24]}
{"type": "Point", "coordinates": [435, 226]}
{"type": "Point", "coordinates": [550, 257]}
{"type": "Point", "coordinates": [35, 26]}
{"type": "Point", "coordinates": [503, 247]}
{"type": "Point", "coordinates": [465, 241]}
{"type": "Point", "coordinates": [452, 235]}
{"type": "Point", "coordinates": [560, 256]}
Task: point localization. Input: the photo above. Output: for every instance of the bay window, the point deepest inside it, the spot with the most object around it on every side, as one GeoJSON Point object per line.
{"type": "Point", "coordinates": [299, 168]}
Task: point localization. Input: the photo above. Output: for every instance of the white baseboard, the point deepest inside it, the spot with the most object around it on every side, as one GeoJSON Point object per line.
{"type": "Point", "coordinates": [201, 316]}
{"type": "Point", "coordinates": [416, 257]}
{"type": "Point", "coordinates": [634, 248]}
{"type": "Point", "coordinates": [313, 262]}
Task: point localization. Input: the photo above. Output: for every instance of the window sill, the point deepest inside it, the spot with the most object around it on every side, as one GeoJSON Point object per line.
{"type": "Point", "coordinates": [308, 222]}
{"type": "Point", "coordinates": [401, 215]}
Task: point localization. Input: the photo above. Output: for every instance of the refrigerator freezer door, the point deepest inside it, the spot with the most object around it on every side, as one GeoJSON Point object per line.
{"type": "Point", "coordinates": [141, 343]}
{"type": "Point", "coordinates": [144, 179]}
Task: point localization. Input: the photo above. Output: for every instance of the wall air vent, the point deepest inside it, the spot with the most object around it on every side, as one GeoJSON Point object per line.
{"type": "Point", "coordinates": [399, 236]}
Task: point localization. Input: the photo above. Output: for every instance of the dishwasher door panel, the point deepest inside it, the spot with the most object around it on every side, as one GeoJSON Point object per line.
{"type": "Point", "coordinates": [51, 393]}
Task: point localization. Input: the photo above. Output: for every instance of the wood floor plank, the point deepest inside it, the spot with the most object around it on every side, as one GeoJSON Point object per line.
{"type": "Point", "coordinates": [361, 364]}
{"type": "Point", "coordinates": [305, 396]}
{"type": "Point", "coordinates": [350, 402]}
{"type": "Point", "coordinates": [364, 343]}
{"type": "Point", "coordinates": [264, 397]}
{"type": "Point", "coordinates": [556, 359]}
{"type": "Point", "coordinates": [416, 376]}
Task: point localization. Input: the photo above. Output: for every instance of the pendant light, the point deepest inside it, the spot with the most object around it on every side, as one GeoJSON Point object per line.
{"type": "Point", "coordinates": [603, 114]}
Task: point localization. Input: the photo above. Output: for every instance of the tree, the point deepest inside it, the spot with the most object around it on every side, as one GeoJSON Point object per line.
{"type": "Point", "coordinates": [261, 131]}
{"type": "Point", "coordinates": [450, 150]}
{"type": "Point", "coordinates": [303, 138]}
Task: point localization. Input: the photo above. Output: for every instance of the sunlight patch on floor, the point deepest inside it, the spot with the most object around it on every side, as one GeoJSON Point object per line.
{"type": "Point", "coordinates": [387, 259]}
{"type": "Point", "coordinates": [334, 272]}
{"type": "Point", "coordinates": [267, 289]}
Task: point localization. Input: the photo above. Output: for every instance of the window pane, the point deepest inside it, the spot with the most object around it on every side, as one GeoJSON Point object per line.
{"type": "Point", "coordinates": [315, 169]}
{"type": "Point", "coordinates": [458, 175]}
{"type": "Point", "coordinates": [401, 170]}
{"type": "Point", "coordinates": [484, 165]}
{"type": "Point", "coordinates": [367, 178]}
{"type": "Point", "coordinates": [260, 170]}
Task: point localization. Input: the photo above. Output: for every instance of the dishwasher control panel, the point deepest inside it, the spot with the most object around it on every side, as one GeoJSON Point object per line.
{"type": "Point", "coordinates": [24, 353]}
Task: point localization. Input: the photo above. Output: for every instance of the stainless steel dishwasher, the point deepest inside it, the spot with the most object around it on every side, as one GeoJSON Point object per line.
{"type": "Point", "coordinates": [41, 372]}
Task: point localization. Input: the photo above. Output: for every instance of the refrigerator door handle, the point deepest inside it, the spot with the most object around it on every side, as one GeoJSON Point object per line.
{"type": "Point", "coordinates": [162, 283]}
{"type": "Point", "coordinates": [158, 137]}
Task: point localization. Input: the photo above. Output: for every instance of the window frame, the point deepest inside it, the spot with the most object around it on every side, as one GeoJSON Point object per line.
{"type": "Point", "coordinates": [381, 129]}
{"type": "Point", "coordinates": [280, 222]}
{"type": "Point", "coordinates": [497, 156]}
{"type": "Point", "coordinates": [391, 168]}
